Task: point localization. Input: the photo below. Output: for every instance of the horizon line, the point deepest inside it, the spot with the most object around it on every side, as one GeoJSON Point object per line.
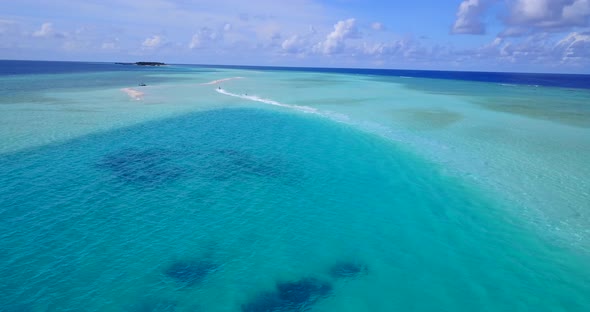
{"type": "Point", "coordinates": [311, 67]}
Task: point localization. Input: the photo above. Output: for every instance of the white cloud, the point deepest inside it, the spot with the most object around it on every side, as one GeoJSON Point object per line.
{"type": "Point", "coordinates": [469, 17]}
{"type": "Point", "coordinates": [45, 31]}
{"type": "Point", "coordinates": [378, 26]}
{"type": "Point", "coordinates": [268, 31]}
{"type": "Point", "coordinates": [300, 44]}
{"type": "Point", "coordinates": [204, 36]}
{"type": "Point", "coordinates": [571, 50]}
{"type": "Point", "coordinates": [152, 42]}
{"type": "Point", "coordinates": [577, 12]}
{"type": "Point", "coordinates": [407, 49]}
{"type": "Point", "coordinates": [277, 32]}
{"type": "Point", "coordinates": [378, 49]}
{"type": "Point", "coordinates": [575, 46]}
{"type": "Point", "coordinates": [294, 44]}
{"type": "Point", "coordinates": [549, 15]}
{"type": "Point", "coordinates": [515, 31]}
{"type": "Point", "coordinates": [535, 9]}
{"type": "Point", "coordinates": [524, 17]}
{"type": "Point", "coordinates": [335, 41]}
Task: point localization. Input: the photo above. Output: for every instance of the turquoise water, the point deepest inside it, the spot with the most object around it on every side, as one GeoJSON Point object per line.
{"type": "Point", "coordinates": [282, 192]}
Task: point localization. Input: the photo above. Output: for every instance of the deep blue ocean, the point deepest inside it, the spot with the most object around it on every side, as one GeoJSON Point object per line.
{"type": "Point", "coordinates": [548, 80]}
{"type": "Point", "coordinates": [194, 193]}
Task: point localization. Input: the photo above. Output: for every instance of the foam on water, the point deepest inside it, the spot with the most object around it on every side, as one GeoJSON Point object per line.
{"type": "Point", "coordinates": [301, 108]}
{"type": "Point", "coordinates": [218, 81]}
{"type": "Point", "coordinates": [547, 212]}
{"type": "Point", "coordinates": [305, 109]}
{"type": "Point", "coordinates": [368, 126]}
{"type": "Point", "coordinates": [484, 139]}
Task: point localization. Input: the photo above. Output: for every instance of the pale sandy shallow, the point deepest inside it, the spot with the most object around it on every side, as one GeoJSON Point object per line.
{"type": "Point", "coordinates": [221, 80]}
{"type": "Point", "coordinates": [134, 94]}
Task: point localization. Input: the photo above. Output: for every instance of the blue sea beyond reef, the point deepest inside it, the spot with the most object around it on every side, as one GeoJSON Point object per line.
{"type": "Point", "coordinates": [236, 188]}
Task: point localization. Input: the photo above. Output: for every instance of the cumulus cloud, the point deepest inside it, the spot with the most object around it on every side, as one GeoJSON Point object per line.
{"type": "Point", "coordinates": [549, 15]}
{"type": "Point", "coordinates": [380, 49]}
{"type": "Point", "coordinates": [515, 31]}
{"type": "Point", "coordinates": [540, 48]}
{"type": "Point", "coordinates": [304, 28]}
{"type": "Point", "coordinates": [501, 53]}
{"type": "Point", "coordinates": [152, 42]}
{"type": "Point", "coordinates": [204, 36]}
{"type": "Point", "coordinates": [469, 17]}
{"type": "Point", "coordinates": [378, 26]}
{"type": "Point", "coordinates": [575, 46]}
{"type": "Point", "coordinates": [267, 31]}
{"type": "Point", "coordinates": [294, 44]}
{"type": "Point", "coordinates": [335, 41]}
{"type": "Point", "coordinates": [346, 39]}
{"type": "Point", "coordinates": [533, 49]}
{"type": "Point", "coordinates": [406, 49]}
{"type": "Point", "coordinates": [396, 48]}
{"type": "Point", "coordinates": [45, 31]}
{"type": "Point", "coordinates": [300, 44]}
{"type": "Point", "coordinates": [524, 17]}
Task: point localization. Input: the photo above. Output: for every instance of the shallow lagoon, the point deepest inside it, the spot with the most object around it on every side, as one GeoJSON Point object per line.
{"type": "Point", "coordinates": [190, 199]}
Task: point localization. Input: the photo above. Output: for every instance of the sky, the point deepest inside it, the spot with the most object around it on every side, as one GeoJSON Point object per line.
{"type": "Point", "coordinates": [472, 35]}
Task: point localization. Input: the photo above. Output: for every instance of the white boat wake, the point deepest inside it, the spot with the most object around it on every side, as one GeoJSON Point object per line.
{"type": "Point", "coordinates": [255, 98]}
{"type": "Point", "coordinates": [221, 80]}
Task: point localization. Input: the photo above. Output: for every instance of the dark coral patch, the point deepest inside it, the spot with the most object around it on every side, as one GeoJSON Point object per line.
{"type": "Point", "coordinates": [348, 270]}
{"type": "Point", "coordinates": [303, 291]}
{"type": "Point", "coordinates": [155, 167]}
{"type": "Point", "coordinates": [291, 296]}
{"type": "Point", "coordinates": [144, 167]}
{"type": "Point", "coordinates": [190, 273]}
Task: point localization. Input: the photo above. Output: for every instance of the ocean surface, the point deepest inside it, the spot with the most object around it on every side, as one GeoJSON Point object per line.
{"type": "Point", "coordinates": [216, 188]}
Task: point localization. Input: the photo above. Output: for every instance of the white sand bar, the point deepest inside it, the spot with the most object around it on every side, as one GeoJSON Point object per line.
{"type": "Point", "coordinates": [134, 94]}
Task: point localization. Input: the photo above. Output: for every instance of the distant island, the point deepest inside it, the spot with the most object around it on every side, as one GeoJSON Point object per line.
{"type": "Point", "coordinates": [143, 63]}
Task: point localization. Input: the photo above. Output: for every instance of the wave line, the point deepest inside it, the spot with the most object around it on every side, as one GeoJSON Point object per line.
{"type": "Point", "coordinates": [255, 98]}
{"type": "Point", "coordinates": [221, 80]}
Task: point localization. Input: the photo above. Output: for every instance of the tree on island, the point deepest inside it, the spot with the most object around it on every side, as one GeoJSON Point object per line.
{"type": "Point", "coordinates": [149, 63]}
{"type": "Point", "coordinates": [143, 63]}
